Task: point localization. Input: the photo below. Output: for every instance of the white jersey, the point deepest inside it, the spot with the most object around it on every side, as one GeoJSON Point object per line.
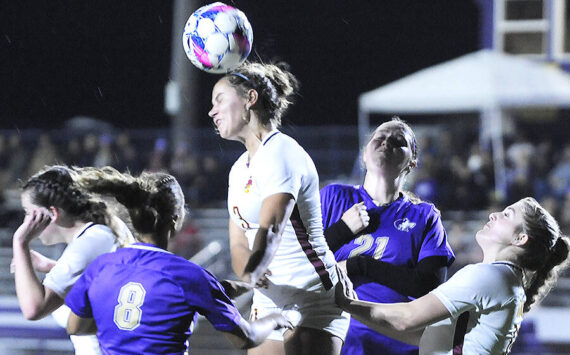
{"type": "Point", "coordinates": [92, 241]}
{"type": "Point", "coordinates": [303, 259]}
{"type": "Point", "coordinates": [494, 297]}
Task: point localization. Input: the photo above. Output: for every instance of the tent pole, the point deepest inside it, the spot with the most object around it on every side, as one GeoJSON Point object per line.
{"type": "Point", "coordinates": [493, 117]}
{"type": "Point", "coordinates": [363, 131]}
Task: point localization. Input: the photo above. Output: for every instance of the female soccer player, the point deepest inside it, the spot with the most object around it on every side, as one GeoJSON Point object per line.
{"type": "Point", "coordinates": [394, 245]}
{"type": "Point", "coordinates": [275, 228]}
{"type": "Point", "coordinates": [57, 211]}
{"type": "Point", "coordinates": [523, 251]}
{"type": "Point", "coordinates": [142, 298]}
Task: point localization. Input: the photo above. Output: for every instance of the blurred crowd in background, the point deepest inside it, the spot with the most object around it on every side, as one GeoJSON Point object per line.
{"type": "Point", "coordinates": [456, 176]}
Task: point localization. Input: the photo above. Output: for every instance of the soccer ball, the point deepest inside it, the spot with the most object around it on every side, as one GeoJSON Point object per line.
{"type": "Point", "coordinates": [217, 38]}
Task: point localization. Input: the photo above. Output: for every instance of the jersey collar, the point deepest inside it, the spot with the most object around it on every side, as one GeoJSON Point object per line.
{"type": "Point", "coordinates": [370, 200]}
{"type": "Point", "coordinates": [83, 230]}
{"type": "Point", "coordinates": [147, 246]}
{"type": "Point", "coordinates": [271, 134]}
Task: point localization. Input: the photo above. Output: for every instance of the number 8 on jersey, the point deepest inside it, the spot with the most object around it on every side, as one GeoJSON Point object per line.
{"type": "Point", "coordinates": [128, 312]}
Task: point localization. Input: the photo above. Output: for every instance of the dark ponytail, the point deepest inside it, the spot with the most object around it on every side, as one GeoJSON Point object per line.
{"type": "Point", "coordinates": [275, 86]}
{"type": "Point", "coordinates": [154, 201]}
{"type": "Point", "coordinates": [546, 276]}
{"type": "Point", "coordinates": [545, 254]}
{"type": "Point", "coordinates": [54, 186]}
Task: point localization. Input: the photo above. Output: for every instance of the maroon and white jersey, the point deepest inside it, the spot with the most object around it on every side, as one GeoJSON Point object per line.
{"type": "Point", "coordinates": [303, 259]}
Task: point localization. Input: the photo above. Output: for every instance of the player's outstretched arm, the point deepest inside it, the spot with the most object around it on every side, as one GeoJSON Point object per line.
{"type": "Point", "coordinates": [78, 326]}
{"type": "Point", "coordinates": [414, 281]}
{"type": "Point", "coordinates": [402, 321]}
{"type": "Point", "coordinates": [251, 334]}
{"type": "Point", "coordinates": [234, 288]}
{"type": "Point", "coordinates": [275, 212]}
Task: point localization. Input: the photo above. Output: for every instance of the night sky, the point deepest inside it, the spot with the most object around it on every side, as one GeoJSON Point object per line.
{"type": "Point", "coordinates": [111, 59]}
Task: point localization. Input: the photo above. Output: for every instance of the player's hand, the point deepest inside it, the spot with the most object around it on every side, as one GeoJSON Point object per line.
{"type": "Point", "coordinates": [280, 321]}
{"type": "Point", "coordinates": [33, 225]}
{"type": "Point", "coordinates": [235, 288]}
{"type": "Point", "coordinates": [262, 282]}
{"type": "Point", "coordinates": [292, 313]}
{"type": "Point", "coordinates": [356, 217]}
{"type": "Point", "coordinates": [344, 293]}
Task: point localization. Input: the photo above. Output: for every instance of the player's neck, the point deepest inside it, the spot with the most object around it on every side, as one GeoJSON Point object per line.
{"type": "Point", "coordinates": [381, 190]}
{"type": "Point", "coordinates": [148, 238]}
{"type": "Point", "coordinates": [255, 137]}
{"type": "Point", "coordinates": [73, 230]}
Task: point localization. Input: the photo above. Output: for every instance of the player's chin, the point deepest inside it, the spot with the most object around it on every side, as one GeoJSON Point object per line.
{"type": "Point", "coordinates": [223, 134]}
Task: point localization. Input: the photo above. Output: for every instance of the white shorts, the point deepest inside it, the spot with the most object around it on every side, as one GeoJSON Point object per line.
{"type": "Point", "coordinates": [316, 310]}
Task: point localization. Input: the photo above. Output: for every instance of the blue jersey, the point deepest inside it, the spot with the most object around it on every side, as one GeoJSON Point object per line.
{"type": "Point", "coordinates": [144, 300]}
{"type": "Point", "coordinates": [399, 233]}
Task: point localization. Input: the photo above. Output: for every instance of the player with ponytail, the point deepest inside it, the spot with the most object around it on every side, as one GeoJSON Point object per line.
{"type": "Point", "coordinates": [523, 252]}
{"type": "Point", "coordinates": [275, 229]}
{"type": "Point", "coordinates": [142, 295]}
{"type": "Point", "coordinates": [58, 211]}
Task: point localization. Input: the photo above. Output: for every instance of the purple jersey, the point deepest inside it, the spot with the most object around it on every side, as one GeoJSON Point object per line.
{"type": "Point", "coordinates": [144, 300]}
{"type": "Point", "coordinates": [400, 233]}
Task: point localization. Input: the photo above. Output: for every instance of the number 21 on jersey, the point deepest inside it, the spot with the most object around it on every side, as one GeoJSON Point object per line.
{"type": "Point", "coordinates": [128, 312]}
{"type": "Point", "coordinates": [367, 242]}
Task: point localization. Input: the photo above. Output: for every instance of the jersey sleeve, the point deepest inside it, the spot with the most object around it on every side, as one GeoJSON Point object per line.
{"type": "Point", "coordinates": [75, 258]}
{"type": "Point", "coordinates": [435, 238]}
{"type": "Point", "coordinates": [282, 174]}
{"type": "Point", "coordinates": [476, 288]}
{"type": "Point", "coordinates": [327, 202]}
{"type": "Point", "coordinates": [214, 304]}
{"type": "Point", "coordinates": [78, 299]}
{"type": "Point", "coordinates": [335, 200]}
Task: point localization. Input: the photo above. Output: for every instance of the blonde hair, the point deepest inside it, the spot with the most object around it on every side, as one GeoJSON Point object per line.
{"type": "Point", "coordinates": [154, 201]}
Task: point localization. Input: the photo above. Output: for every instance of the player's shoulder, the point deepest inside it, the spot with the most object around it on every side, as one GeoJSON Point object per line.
{"type": "Point", "coordinates": [277, 140]}
{"type": "Point", "coordinates": [189, 275]}
{"type": "Point", "coordinates": [415, 203]}
{"type": "Point", "coordinates": [485, 272]}
{"type": "Point", "coordinates": [102, 260]}
{"type": "Point", "coordinates": [97, 230]}
{"type": "Point", "coordinates": [240, 161]}
{"type": "Point", "coordinates": [176, 264]}
{"type": "Point", "coordinates": [93, 239]}
{"type": "Point", "coordinates": [338, 188]}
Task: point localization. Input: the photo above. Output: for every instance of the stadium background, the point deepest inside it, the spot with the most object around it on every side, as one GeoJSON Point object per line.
{"type": "Point", "coordinates": [85, 83]}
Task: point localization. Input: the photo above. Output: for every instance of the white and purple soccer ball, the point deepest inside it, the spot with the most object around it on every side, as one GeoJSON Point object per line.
{"type": "Point", "coordinates": [217, 38]}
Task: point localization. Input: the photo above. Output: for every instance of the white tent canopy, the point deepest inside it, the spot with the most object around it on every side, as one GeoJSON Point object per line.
{"type": "Point", "coordinates": [484, 81]}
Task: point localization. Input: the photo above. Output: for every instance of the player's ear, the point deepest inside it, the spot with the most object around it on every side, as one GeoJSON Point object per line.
{"type": "Point", "coordinates": [520, 239]}
{"type": "Point", "coordinates": [54, 213]}
{"type": "Point", "coordinates": [252, 97]}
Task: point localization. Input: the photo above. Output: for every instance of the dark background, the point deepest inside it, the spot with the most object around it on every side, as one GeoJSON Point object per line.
{"type": "Point", "coordinates": [111, 59]}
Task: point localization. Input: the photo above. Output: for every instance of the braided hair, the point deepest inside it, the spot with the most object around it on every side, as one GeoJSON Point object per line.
{"type": "Point", "coordinates": [154, 201]}
{"type": "Point", "coordinates": [545, 254]}
{"type": "Point", "coordinates": [54, 186]}
{"type": "Point", "coordinates": [275, 86]}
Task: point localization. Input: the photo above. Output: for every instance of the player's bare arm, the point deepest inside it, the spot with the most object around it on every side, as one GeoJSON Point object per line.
{"type": "Point", "coordinates": [251, 334]}
{"type": "Point", "coordinates": [402, 321]}
{"type": "Point", "coordinates": [239, 248]}
{"type": "Point", "coordinates": [275, 212]}
{"type": "Point", "coordinates": [36, 300]}
{"type": "Point", "coordinates": [80, 326]}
